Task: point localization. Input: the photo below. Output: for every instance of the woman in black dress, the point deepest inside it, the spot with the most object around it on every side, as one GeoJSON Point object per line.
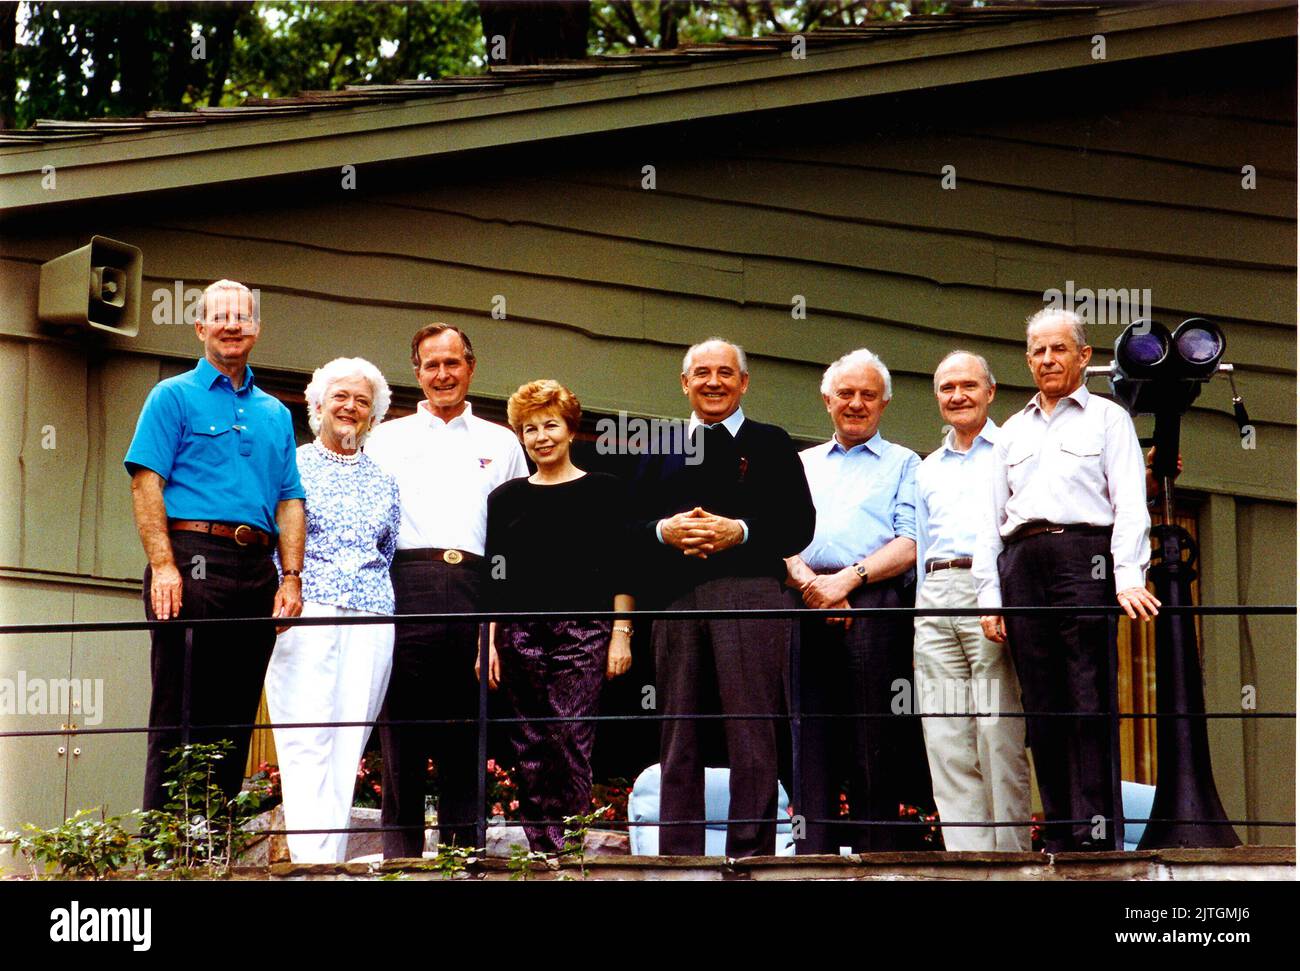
{"type": "Point", "coordinates": [554, 543]}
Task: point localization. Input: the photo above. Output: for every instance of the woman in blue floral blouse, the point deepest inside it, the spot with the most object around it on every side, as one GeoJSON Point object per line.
{"type": "Point", "coordinates": [336, 674]}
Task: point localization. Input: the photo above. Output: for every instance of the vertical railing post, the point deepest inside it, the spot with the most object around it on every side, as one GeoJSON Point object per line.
{"type": "Point", "coordinates": [187, 685]}
{"type": "Point", "coordinates": [796, 729]}
{"type": "Point", "coordinates": [1116, 773]}
{"type": "Point", "coordinates": [481, 832]}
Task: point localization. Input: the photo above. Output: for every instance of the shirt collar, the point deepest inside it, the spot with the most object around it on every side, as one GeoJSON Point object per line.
{"type": "Point", "coordinates": [875, 444]}
{"type": "Point", "coordinates": [989, 433]}
{"type": "Point", "coordinates": [731, 423]}
{"type": "Point", "coordinates": [209, 375]}
{"type": "Point", "coordinates": [436, 422]}
{"type": "Point", "coordinates": [1079, 395]}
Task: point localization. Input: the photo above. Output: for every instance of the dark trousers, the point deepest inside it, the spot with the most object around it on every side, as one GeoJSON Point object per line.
{"type": "Point", "coordinates": [1067, 664]}
{"type": "Point", "coordinates": [553, 670]}
{"type": "Point", "coordinates": [858, 671]}
{"type": "Point", "coordinates": [227, 664]}
{"type": "Point", "coordinates": [818, 687]}
{"type": "Point", "coordinates": [748, 659]}
{"type": "Point", "coordinates": [433, 677]}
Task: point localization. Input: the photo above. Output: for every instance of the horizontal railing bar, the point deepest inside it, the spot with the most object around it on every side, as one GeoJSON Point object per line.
{"type": "Point", "coordinates": [739, 613]}
{"type": "Point", "coordinates": [143, 729]}
{"type": "Point", "coordinates": [48, 732]}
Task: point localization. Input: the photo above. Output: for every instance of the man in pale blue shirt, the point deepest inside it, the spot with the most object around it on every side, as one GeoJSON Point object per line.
{"type": "Point", "coordinates": [862, 555]}
{"type": "Point", "coordinates": [978, 766]}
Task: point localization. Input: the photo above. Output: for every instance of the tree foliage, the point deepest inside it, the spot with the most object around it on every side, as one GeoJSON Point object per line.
{"type": "Point", "coordinates": [85, 60]}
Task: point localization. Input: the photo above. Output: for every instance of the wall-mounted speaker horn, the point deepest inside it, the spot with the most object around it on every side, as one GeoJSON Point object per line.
{"type": "Point", "coordinates": [97, 286]}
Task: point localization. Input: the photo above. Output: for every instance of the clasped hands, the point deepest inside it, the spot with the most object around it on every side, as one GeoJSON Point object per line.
{"type": "Point", "coordinates": [825, 592]}
{"type": "Point", "coordinates": [699, 533]}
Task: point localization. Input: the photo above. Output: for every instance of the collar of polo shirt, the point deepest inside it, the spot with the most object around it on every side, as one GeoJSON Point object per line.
{"type": "Point", "coordinates": [436, 422]}
{"type": "Point", "coordinates": [211, 375]}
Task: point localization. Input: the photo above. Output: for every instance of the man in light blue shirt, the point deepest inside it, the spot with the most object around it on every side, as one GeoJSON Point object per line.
{"type": "Point", "coordinates": [978, 766]}
{"type": "Point", "coordinates": [862, 555]}
{"type": "Point", "coordinates": [214, 489]}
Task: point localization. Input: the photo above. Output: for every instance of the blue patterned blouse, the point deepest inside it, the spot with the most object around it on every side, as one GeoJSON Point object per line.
{"type": "Point", "coordinates": [353, 515]}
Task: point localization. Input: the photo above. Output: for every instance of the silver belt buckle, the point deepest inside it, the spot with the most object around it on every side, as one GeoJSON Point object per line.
{"type": "Point", "coordinates": [452, 556]}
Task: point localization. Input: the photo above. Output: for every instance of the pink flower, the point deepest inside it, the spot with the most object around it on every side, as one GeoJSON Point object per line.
{"type": "Point", "coordinates": [514, 805]}
{"type": "Point", "coordinates": [492, 765]}
{"type": "Point", "coordinates": [497, 810]}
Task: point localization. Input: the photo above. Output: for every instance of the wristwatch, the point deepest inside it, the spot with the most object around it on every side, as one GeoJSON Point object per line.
{"type": "Point", "coordinates": [861, 571]}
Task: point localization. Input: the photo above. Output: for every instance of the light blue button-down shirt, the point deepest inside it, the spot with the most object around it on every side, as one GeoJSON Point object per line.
{"type": "Point", "coordinates": [952, 496]}
{"type": "Point", "coordinates": [865, 497]}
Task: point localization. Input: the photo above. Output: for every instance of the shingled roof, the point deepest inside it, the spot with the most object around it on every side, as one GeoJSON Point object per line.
{"type": "Point", "coordinates": [498, 78]}
{"type": "Point", "coordinates": [362, 124]}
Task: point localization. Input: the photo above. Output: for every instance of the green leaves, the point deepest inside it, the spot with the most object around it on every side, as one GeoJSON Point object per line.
{"type": "Point", "coordinates": [200, 832]}
{"type": "Point", "coordinates": [82, 846]}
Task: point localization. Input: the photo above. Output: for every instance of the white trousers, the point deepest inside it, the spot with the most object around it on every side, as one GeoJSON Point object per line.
{"type": "Point", "coordinates": [325, 674]}
{"type": "Point", "coordinates": [978, 766]}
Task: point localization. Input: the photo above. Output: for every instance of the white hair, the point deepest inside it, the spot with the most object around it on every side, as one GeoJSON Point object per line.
{"type": "Point", "coordinates": [857, 358]}
{"type": "Point", "coordinates": [691, 351]}
{"type": "Point", "coordinates": [1077, 330]}
{"type": "Point", "coordinates": [989, 382]}
{"type": "Point", "coordinates": [340, 369]}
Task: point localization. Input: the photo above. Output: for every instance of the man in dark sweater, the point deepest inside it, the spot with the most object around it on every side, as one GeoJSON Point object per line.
{"type": "Point", "coordinates": [714, 522]}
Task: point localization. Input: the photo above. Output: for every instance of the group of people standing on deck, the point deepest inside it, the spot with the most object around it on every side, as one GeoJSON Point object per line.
{"type": "Point", "coordinates": [436, 513]}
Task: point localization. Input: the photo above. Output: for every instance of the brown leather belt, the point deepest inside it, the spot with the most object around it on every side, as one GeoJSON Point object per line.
{"type": "Point", "coordinates": [959, 563]}
{"type": "Point", "coordinates": [242, 534]}
{"type": "Point", "coordinates": [451, 557]}
{"type": "Point", "coordinates": [1039, 528]}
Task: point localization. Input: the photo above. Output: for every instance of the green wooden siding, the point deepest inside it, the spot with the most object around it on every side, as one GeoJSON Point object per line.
{"type": "Point", "coordinates": [1130, 182]}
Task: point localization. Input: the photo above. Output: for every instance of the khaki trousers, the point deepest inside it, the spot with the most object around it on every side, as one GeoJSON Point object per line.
{"type": "Point", "coordinates": [978, 765]}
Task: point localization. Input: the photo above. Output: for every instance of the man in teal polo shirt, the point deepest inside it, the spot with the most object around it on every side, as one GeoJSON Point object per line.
{"type": "Point", "coordinates": [214, 485]}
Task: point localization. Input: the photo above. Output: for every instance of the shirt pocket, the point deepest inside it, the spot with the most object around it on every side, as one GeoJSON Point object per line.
{"type": "Point", "coordinates": [1019, 465]}
{"type": "Point", "coordinates": [211, 440]}
{"type": "Point", "coordinates": [1081, 461]}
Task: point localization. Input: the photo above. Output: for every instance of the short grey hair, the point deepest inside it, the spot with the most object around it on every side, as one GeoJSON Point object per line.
{"type": "Point", "coordinates": [857, 358]}
{"type": "Point", "coordinates": [1077, 329]}
{"type": "Point", "coordinates": [989, 381]}
{"type": "Point", "coordinates": [340, 369]}
{"type": "Point", "coordinates": [691, 351]}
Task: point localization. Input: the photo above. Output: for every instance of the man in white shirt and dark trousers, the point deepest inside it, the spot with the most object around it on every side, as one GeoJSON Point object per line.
{"type": "Point", "coordinates": [978, 766]}
{"type": "Point", "coordinates": [1069, 529]}
{"type": "Point", "coordinates": [446, 461]}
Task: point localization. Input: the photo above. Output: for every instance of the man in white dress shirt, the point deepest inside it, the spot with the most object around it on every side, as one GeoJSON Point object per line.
{"type": "Point", "coordinates": [978, 765]}
{"type": "Point", "coordinates": [446, 461]}
{"type": "Point", "coordinates": [1069, 529]}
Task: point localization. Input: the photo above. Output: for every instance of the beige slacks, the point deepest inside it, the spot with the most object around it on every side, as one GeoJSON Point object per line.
{"type": "Point", "coordinates": [978, 765]}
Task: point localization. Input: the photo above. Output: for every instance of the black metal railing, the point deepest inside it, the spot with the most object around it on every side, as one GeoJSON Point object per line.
{"type": "Point", "coordinates": [795, 717]}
